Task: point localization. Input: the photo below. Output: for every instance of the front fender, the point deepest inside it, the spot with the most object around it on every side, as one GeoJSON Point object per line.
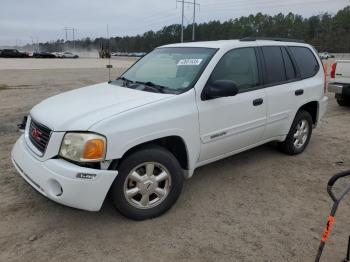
{"type": "Point", "coordinates": [153, 136]}
{"type": "Point", "coordinates": [177, 116]}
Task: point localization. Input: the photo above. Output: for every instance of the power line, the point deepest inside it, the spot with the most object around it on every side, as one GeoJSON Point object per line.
{"type": "Point", "coordinates": [159, 15]}
{"type": "Point", "coordinates": [243, 5]}
{"type": "Point", "coordinates": [166, 16]}
{"type": "Point", "coordinates": [236, 11]}
{"type": "Point", "coordinates": [236, 3]}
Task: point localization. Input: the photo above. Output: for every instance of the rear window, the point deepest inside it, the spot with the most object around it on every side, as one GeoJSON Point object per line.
{"type": "Point", "coordinates": [305, 60]}
{"type": "Point", "coordinates": [274, 64]}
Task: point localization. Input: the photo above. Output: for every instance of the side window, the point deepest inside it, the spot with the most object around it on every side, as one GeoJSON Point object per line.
{"type": "Point", "coordinates": [288, 64]}
{"type": "Point", "coordinates": [274, 64]}
{"type": "Point", "coordinates": [238, 65]}
{"type": "Point", "coordinates": [305, 60]}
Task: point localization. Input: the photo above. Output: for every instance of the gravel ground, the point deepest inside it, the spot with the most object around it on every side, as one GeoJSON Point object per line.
{"type": "Point", "coordinates": [259, 205]}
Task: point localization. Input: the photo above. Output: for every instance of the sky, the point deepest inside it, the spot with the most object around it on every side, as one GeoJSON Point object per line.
{"type": "Point", "coordinates": [27, 21]}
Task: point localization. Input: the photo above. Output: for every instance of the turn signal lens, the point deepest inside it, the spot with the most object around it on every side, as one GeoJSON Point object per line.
{"type": "Point", "coordinates": [94, 149]}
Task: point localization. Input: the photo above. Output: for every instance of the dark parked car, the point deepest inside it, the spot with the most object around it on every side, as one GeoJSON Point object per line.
{"type": "Point", "coordinates": [43, 55]}
{"type": "Point", "coordinates": [12, 53]}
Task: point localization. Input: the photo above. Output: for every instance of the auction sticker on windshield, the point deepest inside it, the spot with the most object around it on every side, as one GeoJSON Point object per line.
{"type": "Point", "coordinates": [184, 62]}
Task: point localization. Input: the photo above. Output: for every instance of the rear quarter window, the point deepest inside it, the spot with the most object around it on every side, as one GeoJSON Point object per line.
{"type": "Point", "coordinates": [306, 61]}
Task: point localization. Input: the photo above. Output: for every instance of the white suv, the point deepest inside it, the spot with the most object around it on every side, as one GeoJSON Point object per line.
{"type": "Point", "coordinates": [180, 107]}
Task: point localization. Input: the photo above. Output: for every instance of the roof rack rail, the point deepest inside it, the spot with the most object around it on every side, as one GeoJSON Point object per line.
{"type": "Point", "coordinates": [281, 39]}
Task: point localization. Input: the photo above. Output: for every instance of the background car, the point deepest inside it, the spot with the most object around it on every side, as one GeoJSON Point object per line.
{"type": "Point", "coordinates": [69, 55]}
{"type": "Point", "coordinates": [340, 82]}
{"type": "Point", "coordinates": [325, 55]}
{"type": "Point", "coordinates": [58, 54]}
{"type": "Point", "coordinates": [43, 55]}
{"type": "Point", "coordinates": [13, 53]}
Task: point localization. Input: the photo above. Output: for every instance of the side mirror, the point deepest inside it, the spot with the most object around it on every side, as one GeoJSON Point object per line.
{"type": "Point", "coordinates": [220, 88]}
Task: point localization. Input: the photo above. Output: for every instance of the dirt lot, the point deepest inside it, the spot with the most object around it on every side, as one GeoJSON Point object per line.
{"type": "Point", "coordinates": [260, 205]}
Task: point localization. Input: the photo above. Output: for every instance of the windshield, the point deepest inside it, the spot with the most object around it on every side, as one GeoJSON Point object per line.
{"type": "Point", "coordinates": [175, 69]}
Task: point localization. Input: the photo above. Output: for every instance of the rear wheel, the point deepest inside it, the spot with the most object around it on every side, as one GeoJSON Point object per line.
{"type": "Point", "coordinates": [299, 134]}
{"type": "Point", "coordinates": [149, 182]}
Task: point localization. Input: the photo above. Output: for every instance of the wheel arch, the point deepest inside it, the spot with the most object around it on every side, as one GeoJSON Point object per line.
{"type": "Point", "coordinates": [174, 143]}
{"type": "Point", "coordinates": [312, 108]}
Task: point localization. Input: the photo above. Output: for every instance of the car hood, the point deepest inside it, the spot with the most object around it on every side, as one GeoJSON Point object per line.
{"type": "Point", "coordinates": [79, 109]}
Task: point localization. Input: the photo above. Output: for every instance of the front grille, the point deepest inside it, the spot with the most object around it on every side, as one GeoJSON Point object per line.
{"type": "Point", "coordinates": [39, 135]}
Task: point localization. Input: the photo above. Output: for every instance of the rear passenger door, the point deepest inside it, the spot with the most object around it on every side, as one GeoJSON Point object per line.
{"type": "Point", "coordinates": [285, 90]}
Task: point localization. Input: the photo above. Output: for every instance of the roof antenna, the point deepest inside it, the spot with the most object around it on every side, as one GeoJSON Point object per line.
{"type": "Point", "coordinates": [109, 66]}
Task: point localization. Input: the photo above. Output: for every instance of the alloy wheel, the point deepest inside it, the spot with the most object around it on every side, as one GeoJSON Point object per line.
{"type": "Point", "coordinates": [147, 185]}
{"type": "Point", "coordinates": [301, 134]}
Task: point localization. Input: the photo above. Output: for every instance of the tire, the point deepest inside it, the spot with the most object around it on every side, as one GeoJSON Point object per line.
{"type": "Point", "coordinates": [291, 146]}
{"type": "Point", "coordinates": [342, 100]}
{"type": "Point", "coordinates": [146, 185]}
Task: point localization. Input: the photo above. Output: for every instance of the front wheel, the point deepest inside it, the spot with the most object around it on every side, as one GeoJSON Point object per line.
{"type": "Point", "coordinates": [148, 183]}
{"type": "Point", "coordinates": [299, 134]}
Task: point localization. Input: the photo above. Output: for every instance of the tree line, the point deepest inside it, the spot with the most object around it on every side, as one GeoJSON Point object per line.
{"type": "Point", "coordinates": [326, 32]}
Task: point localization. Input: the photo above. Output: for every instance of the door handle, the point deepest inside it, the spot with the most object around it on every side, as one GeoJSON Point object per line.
{"type": "Point", "coordinates": [258, 102]}
{"type": "Point", "coordinates": [299, 92]}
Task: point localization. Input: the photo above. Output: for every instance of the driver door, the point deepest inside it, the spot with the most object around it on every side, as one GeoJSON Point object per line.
{"type": "Point", "coordinates": [228, 124]}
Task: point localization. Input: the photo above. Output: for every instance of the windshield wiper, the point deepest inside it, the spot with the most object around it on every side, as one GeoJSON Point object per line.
{"type": "Point", "coordinates": [159, 88]}
{"type": "Point", "coordinates": [125, 80]}
{"type": "Point", "coordinates": [128, 83]}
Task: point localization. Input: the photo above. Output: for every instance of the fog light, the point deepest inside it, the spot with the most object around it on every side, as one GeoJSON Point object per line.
{"type": "Point", "coordinates": [54, 188]}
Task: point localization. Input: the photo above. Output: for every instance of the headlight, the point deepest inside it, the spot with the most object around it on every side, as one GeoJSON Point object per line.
{"type": "Point", "coordinates": [83, 147]}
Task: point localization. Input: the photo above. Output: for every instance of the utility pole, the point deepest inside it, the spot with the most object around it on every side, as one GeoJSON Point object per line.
{"type": "Point", "coordinates": [183, 2]}
{"type": "Point", "coordinates": [194, 20]}
{"type": "Point", "coordinates": [182, 21]}
{"type": "Point", "coordinates": [109, 66]}
{"type": "Point", "coordinates": [73, 38]}
{"type": "Point", "coordinates": [66, 29]}
{"type": "Point", "coordinates": [36, 43]}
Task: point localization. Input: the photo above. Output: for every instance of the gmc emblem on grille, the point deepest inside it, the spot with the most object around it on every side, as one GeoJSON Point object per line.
{"type": "Point", "coordinates": [36, 134]}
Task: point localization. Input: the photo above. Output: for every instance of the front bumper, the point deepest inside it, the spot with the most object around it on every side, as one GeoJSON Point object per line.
{"type": "Point", "coordinates": [57, 179]}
